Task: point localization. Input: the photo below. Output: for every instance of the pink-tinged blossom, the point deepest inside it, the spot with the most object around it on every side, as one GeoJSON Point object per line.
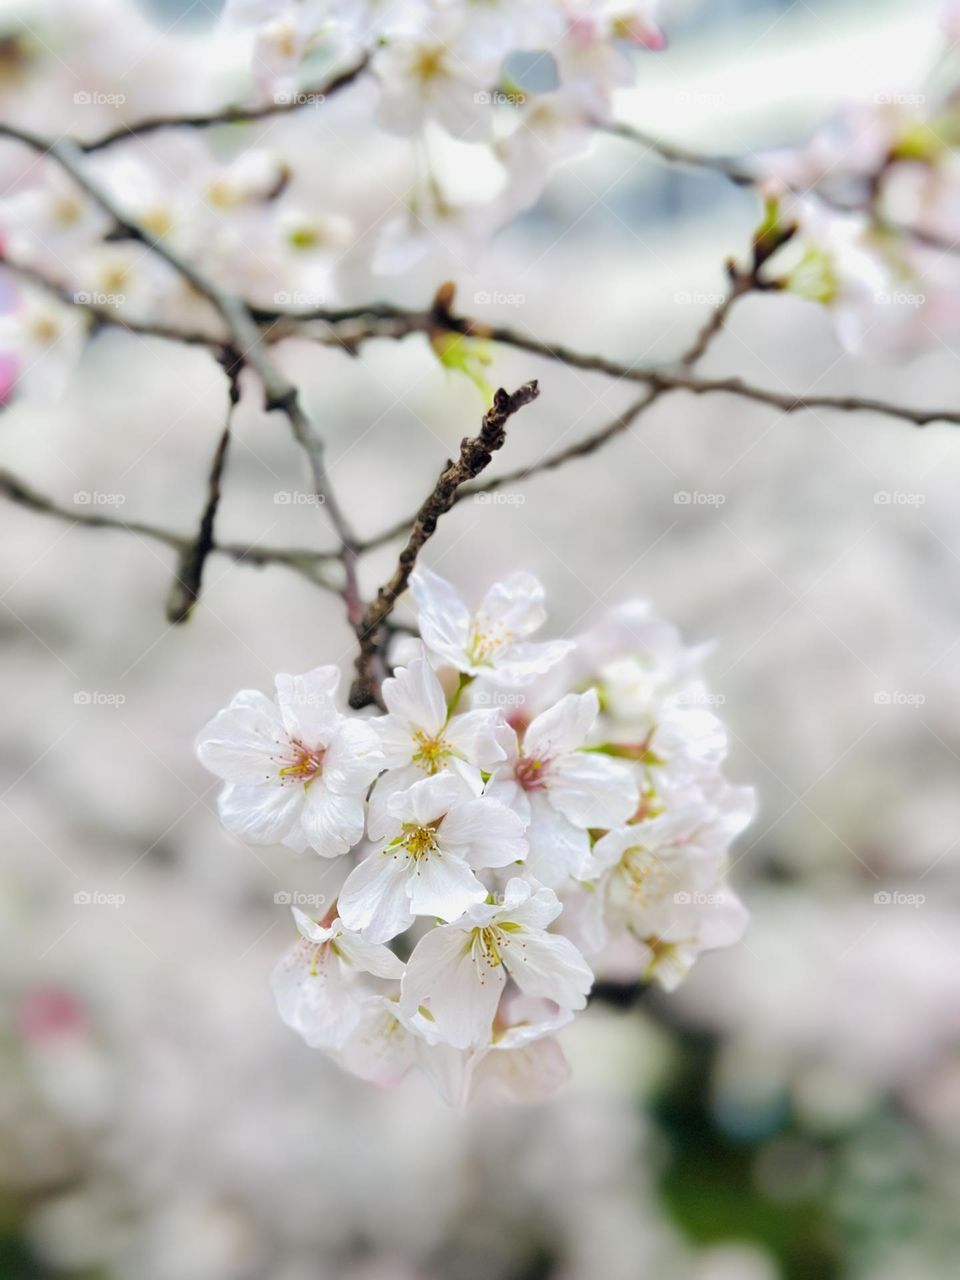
{"type": "Point", "coordinates": [296, 769]}
{"type": "Point", "coordinates": [561, 791]}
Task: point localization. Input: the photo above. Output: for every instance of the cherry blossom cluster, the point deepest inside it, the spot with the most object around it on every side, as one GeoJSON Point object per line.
{"type": "Point", "coordinates": [525, 80]}
{"type": "Point", "coordinates": [524, 814]}
{"type": "Point", "coordinates": [874, 196]}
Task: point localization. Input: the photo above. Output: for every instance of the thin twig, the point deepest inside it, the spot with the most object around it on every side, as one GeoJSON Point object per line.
{"type": "Point", "coordinates": [742, 175]}
{"type": "Point", "coordinates": [188, 579]}
{"type": "Point", "coordinates": [300, 560]}
{"type": "Point", "coordinates": [246, 340]}
{"type": "Point", "coordinates": [231, 115]}
{"type": "Point", "coordinates": [476, 453]}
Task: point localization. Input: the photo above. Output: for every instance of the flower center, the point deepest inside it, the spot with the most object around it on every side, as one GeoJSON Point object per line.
{"type": "Point", "coordinates": [485, 945]}
{"type": "Point", "coordinates": [419, 841]}
{"type": "Point", "coordinates": [530, 773]}
{"type": "Point", "coordinates": [487, 640]}
{"type": "Point", "coordinates": [305, 765]}
{"type": "Point", "coordinates": [645, 878]}
{"type": "Point", "coordinates": [430, 64]}
{"type": "Point", "coordinates": [431, 752]}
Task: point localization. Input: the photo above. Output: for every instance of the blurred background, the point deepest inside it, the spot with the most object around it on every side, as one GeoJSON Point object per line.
{"type": "Point", "coordinates": [793, 1111]}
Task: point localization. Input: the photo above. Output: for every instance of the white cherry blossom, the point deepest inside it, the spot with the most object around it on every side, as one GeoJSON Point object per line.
{"type": "Point", "coordinates": [491, 642]}
{"type": "Point", "coordinates": [457, 972]}
{"type": "Point", "coordinates": [436, 75]}
{"type": "Point", "coordinates": [419, 737]}
{"type": "Point", "coordinates": [296, 769]}
{"type": "Point", "coordinates": [561, 791]}
{"type": "Point", "coordinates": [319, 985]}
{"type": "Point", "coordinates": [441, 835]}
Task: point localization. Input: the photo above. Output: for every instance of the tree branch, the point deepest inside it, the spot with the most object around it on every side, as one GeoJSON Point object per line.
{"type": "Point", "coordinates": [231, 115]}
{"type": "Point", "coordinates": [245, 340]}
{"type": "Point", "coordinates": [188, 579]}
{"type": "Point", "coordinates": [476, 453]}
{"type": "Point", "coordinates": [300, 560]}
{"type": "Point", "coordinates": [741, 175]}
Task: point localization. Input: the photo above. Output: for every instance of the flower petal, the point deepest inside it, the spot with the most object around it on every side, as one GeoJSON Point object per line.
{"type": "Point", "coordinates": [353, 757]}
{"type": "Point", "coordinates": [522, 663]}
{"type": "Point", "coordinates": [514, 605]}
{"type": "Point", "coordinates": [546, 964]}
{"type": "Point", "coordinates": [563, 727]}
{"type": "Point", "coordinates": [262, 815]}
{"type": "Point", "coordinates": [370, 957]}
{"type": "Point", "coordinates": [415, 696]}
{"type": "Point", "coordinates": [474, 736]}
{"type": "Point", "coordinates": [593, 791]}
{"type": "Point", "coordinates": [443, 617]}
{"type": "Point", "coordinates": [314, 996]}
{"type": "Point", "coordinates": [332, 824]}
{"type": "Point", "coordinates": [558, 849]}
{"type": "Point", "coordinates": [428, 799]}
{"type": "Point", "coordinates": [484, 833]}
{"type": "Point", "coordinates": [374, 897]}
{"type": "Point", "coordinates": [460, 991]}
{"type": "Point", "coordinates": [443, 885]}
{"type": "Point", "coordinates": [241, 742]}
{"type": "Point", "coordinates": [307, 703]}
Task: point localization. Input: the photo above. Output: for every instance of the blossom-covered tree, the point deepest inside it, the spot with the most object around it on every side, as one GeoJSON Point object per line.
{"type": "Point", "coordinates": [509, 815]}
